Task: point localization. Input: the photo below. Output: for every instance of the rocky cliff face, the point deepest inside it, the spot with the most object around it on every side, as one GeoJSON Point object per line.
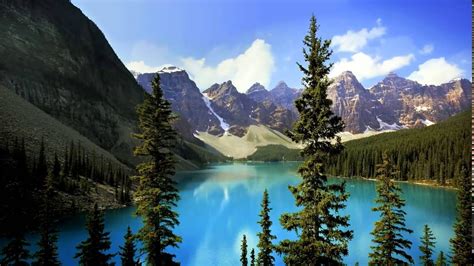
{"type": "Point", "coordinates": [413, 105]}
{"type": "Point", "coordinates": [220, 108]}
{"type": "Point", "coordinates": [56, 58]}
{"type": "Point", "coordinates": [351, 101]}
{"type": "Point", "coordinates": [395, 102]}
{"type": "Point", "coordinates": [186, 101]}
{"type": "Point", "coordinates": [235, 108]}
{"type": "Point", "coordinates": [241, 111]}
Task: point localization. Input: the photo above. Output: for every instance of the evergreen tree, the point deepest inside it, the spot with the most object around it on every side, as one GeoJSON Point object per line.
{"type": "Point", "coordinates": [92, 250]}
{"type": "Point", "coordinates": [252, 258]}
{"type": "Point", "coordinates": [427, 245]}
{"type": "Point", "coordinates": [156, 193]}
{"type": "Point", "coordinates": [389, 243]}
{"type": "Point", "coordinates": [243, 251]}
{"type": "Point", "coordinates": [128, 250]}
{"type": "Point", "coordinates": [47, 254]}
{"type": "Point", "coordinates": [56, 171]}
{"type": "Point", "coordinates": [265, 237]}
{"type": "Point", "coordinates": [41, 170]}
{"type": "Point", "coordinates": [19, 154]}
{"type": "Point", "coordinates": [15, 252]}
{"type": "Point", "coordinates": [462, 240]}
{"type": "Point", "coordinates": [441, 260]}
{"type": "Point", "coordinates": [322, 237]}
{"type": "Point", "coordinates": [15, 191]}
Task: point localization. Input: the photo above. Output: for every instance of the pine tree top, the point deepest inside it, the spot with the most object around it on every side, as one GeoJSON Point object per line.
{"type": "Point", "coordinates": [128, 250]}
{"type": "Point", "coordinates": [92, 251]}
{"type": "Point", "coordinates": [243, 250]}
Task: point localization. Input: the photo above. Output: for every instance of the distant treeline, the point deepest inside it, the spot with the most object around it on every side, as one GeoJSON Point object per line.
{"type": "Point", "coordinates": [436, 152]}
{"type": "Point", "coordinates": [23, 177]}
{"type": "Point", "coordinates": [273, 153]}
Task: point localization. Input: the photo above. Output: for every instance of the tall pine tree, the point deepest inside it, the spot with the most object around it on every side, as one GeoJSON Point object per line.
{"type": "Point", "coordinates": [41, 170]}
{"type": "Point", "coordinates": [243, 251]}
{"type": "Point", "coordinates": [461, 243]}
{"type": "Point", "coordinates": [92, 251]}
{"type": "Point", "coordinates": [321, 229]}
{"type": "Point", "coordinates": [128, 250]}
{"type": "Point", "coordinates": [265, 237]}
{"type": "Point", "coordinates": [47, 254]}
{"type": "Point", "coordinates": [156, 193]}
{"type": "Point", "coordinates": [56, 171]}
{"type": "Point", "coordinates": [427, 245]}
{"type": "Point", "coordinates": [389, 243]}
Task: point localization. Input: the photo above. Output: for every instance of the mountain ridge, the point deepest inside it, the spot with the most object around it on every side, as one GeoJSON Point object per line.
{"type": "Point", "coordinates": [391, 104]}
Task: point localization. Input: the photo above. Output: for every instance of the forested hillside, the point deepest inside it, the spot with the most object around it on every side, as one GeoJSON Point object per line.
{"type": "Point", "coordinates": [435, 153]}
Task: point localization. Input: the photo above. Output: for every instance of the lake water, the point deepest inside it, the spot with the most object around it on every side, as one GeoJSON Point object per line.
{"type": "Point", "coordinates": [221, 203]}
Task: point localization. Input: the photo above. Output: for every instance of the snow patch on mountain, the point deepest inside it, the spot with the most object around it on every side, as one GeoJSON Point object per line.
{"type": "Point", "coordinates": [170, 69]}
{"type": "Point", "coordinates": [427, 122]}
{"type": "Point", "coordinates": [387, 126]}
{"type": "Point", "coordinates": [207, 101]}
{"type": "Point", "coordinates": [422, 108]}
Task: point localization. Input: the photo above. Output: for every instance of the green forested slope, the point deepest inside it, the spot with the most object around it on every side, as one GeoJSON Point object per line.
{"type": "Point", "coordinates": [436, 152]}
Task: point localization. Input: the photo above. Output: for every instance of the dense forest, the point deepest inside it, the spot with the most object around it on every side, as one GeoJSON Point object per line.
{"type": "Point", "coordinates": [76, 172]}
{"type": "Point", "coordinates": [434, 153]}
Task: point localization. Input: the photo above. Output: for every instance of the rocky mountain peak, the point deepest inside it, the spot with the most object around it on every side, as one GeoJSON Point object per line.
{"type": "Point", "coordinates": [219, 90]}
{"type": "Point", "coordinates": [347, 74]}
{"type": "Point", "coordinates": [345, 83]}
{"type": "Point", "coordinates": [258, 93]}
{"type": "Point", "coordinates": [353, 103]}
{"type": "Point", "coordinates": [256, 87]}
{"type": "Point", "coordinates": [393, 82]}
{"type": "Point", "coordinates": [282, 86]}
{"type": "Point", "coordinates": [285, 96]}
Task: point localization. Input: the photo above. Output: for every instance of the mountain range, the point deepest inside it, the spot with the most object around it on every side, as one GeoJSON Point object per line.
{"type": "Point", "coordinates": [393, 103]}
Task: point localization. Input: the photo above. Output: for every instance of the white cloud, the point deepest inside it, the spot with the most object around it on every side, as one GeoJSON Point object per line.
{"type": "Point", "coordinates": [141, 67]}
{"type": "Point", "coordinates": [427, 49]}
{"type": "Point", "coordinates": [365, 67]}
{"type": "Point", "coordinates": [436, 71]}
{"type": "Point", "coordinates": [157, 56]}
{"type": "Point", "coordinates": [354, 41]}
{"type": "Point", "coordinates": [256, 64]}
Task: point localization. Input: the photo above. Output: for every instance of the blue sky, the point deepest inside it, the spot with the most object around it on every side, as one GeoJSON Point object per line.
{"type": "Point", "coordinates": [248, 41]}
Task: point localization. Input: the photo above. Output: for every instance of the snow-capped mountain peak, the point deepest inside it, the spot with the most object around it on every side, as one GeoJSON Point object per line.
{"type": "Point", "coordinates": [170, 69]}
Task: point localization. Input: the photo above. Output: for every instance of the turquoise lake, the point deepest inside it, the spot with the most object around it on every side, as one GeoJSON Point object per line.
{"type": "Point", "coordinates": [221, 203]}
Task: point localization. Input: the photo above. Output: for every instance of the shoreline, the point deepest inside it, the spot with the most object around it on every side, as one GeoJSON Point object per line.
{"type": "Point", "coordinates": [422, 182]}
